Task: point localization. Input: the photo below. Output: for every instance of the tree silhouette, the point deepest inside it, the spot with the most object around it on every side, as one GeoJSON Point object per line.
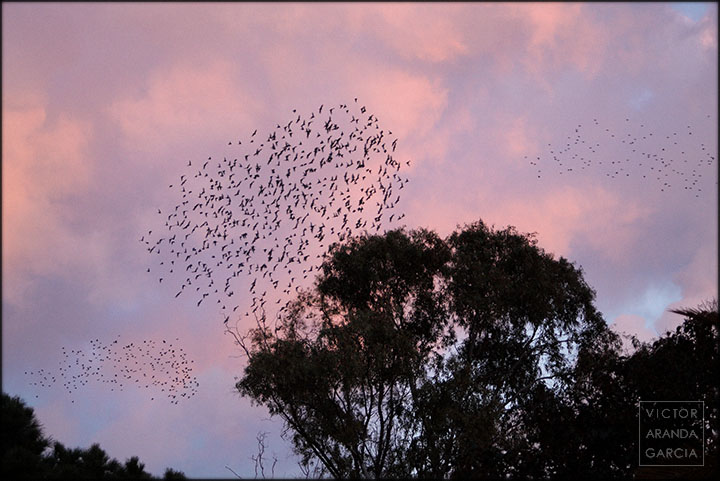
{"type": "Point", "coordinates": [684, 365]}
{"type": "Point", "coordinates": [598, 416]}
{"type": "Point", "coordinates": [23, 442]}
{"type": "Point", "coordinates": [28, 454]}
{"type": "Point", "coordinates": [418, 356]}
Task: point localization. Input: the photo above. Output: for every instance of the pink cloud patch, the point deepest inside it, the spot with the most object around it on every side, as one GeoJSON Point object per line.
{"type": "Point", "coordinates": [427, 32]}
{"type": "Point", "coordinates": [43, 164]}
{"type": "Point", "coordinates": [633, 325]}
{"type": "Point", "coordinates": [185, 101]}
{"type": "Point", "coordinates": [519, 138]}
{"type": "Point", "coordinates": [591, 215]}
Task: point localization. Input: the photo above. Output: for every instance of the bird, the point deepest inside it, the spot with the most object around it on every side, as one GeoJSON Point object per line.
{"type": "Point", "coordinates": [629, 149]}
{"type": "Point", "coordinates": [117, 366]}
{"type": "Point", "coordinates": [292, 193]}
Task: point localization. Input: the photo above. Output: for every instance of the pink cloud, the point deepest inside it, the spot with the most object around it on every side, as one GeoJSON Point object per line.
{"type": "Point", "coordinates": [709, 30]}
{"type": "Point", "coordinates": [519, 137]}
{"type": "Point", "coordinates": [185, 101]}
{"type": "Point", "coordinates": [44, 164]}
{"type": "Point", "coordinates": [562, 34]}
{"type": "Point", "coordinates": [633, 325]}
{"type": "Point", "coordinates": [436, 212]}
{"type": "Point", "coordinates": [412, 104]}
{"type": "Point", "coordinates": [590, 215]}
{"type": "Point", "coordinates": [427, 32]}
{"type": "Point", "coordinates": [409, 105]}
{"type": "Point", "coordinates": [468, 89]}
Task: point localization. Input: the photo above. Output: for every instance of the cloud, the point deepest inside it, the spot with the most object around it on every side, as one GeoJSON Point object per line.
{"type": "Point", "coordinates": [633, 325]}
{"type": "Point", "coordinates": [590, 215]}
{"type": "Point", "coordinates": [410, 105]}
{"type": "Point", "coordinates": [697, 282]}
{"type": "Point", "coordinates": [709, 30]}
{"type": "Point", "coordinates": [185, 102]}
{"type": "Point", "coordinates": [701, 274]}
{"type": "Point", "coordinates": [45, 166]}
{"type": "Point", "coordinates": [468, 89]}
{"type": "Point", "coordinates": [562, 35]}
{"type": "Point", "coordinates": [427, 32]}
{"type": "Point", "coordinates": [519, 137]}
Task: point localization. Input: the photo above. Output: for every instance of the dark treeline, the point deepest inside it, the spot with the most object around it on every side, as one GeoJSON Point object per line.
{"type": "Point", "coordinates": [475, 356]}
{"type": "Point", "coordinates": [28, 454]}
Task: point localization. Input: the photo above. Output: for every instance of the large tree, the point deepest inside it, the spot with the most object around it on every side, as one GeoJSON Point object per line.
{"type": "Point", "coordinates": [589, 429]}
{"type": "Point", "coordinates": [420, 356]}
{"type": "Point", "coordinates": [681, 365]}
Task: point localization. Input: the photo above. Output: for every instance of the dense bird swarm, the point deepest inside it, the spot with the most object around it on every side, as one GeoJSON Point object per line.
{"type": "Point", "coordinates": [261, 217]}
{"type": "Point", "coordinates": [258, 219]}
{"type": "Point", "coordinates": [158, 366]}
{"type": "Point", "coordinates": [672, 159]}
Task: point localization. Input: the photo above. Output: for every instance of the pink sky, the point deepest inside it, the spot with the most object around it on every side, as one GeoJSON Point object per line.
{"type": "Point", "coordinates": [104, 104]}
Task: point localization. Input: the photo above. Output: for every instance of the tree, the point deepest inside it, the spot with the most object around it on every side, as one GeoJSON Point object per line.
{"type": "Point", "coordinates": [23, 442]}
{"type": "Point", "coordinates": [526, 316]}
{"type": "Point", "coordinates": [340, 365]}
{"type": "Point", "coordinates": [28, 454]}
{"type": "Point", "coordinates": [680, 365]}
{"type": "Point", "coordinates": [418, 356]}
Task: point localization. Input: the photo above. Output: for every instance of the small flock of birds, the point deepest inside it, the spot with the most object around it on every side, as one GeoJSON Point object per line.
{"type": "Point", "coordinates": [260, 217]}
{"type": "Point", "coordinates": [157, 366]}
{"type": "Point", "coordinates": [673, 159]}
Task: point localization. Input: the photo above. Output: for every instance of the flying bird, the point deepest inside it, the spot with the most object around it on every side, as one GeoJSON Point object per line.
{"type": "Point", "coordinates": [147, 364]}
{"type": "Point", "coordinates": [261, 224]}
{"type": "Point", "coordinates": [672, 159]}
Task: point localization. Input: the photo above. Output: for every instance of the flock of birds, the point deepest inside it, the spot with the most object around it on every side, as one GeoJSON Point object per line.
{"type": "Point", "coordinates": [157, 366]}
{"type": "Point", "coordinates": [259, 218]}
{"type": "Point", "coordinates": [673, 159]}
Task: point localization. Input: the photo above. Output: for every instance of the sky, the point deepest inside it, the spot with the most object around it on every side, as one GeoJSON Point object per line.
{"type": "Point", "coordinates": [593, 125]}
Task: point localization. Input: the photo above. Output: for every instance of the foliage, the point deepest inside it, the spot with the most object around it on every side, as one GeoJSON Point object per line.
{"type": "Point", "coordinates": [28, 454]}
{"type": "Point", "coordinates": [22, 440]}
{"type": "Point", "coordinates": [418, 356]}
{"type": "Point", "coordinates": [476, 356]}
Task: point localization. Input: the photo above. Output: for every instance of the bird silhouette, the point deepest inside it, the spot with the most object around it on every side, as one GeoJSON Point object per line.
{"type": "Point", "coordinates": [631, 149]}
{"type": "Point", "coordinates": [264, 216]}
{"type": "Point", "coordinates": [148, 365]}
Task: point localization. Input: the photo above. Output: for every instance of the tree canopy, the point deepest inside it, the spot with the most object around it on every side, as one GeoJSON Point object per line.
{"type": "Point", "coordinates": [28, 454]}
{"type": "Point", "coordinates": [479, 355]}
